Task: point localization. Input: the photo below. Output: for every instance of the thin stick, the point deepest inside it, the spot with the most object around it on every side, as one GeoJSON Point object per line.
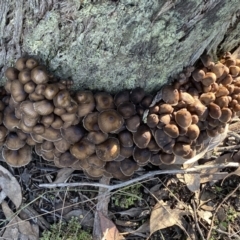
{"type": "Point", "coordinates": [196, 169]}
{"type": "Point", "coordinates": [227, 148]}
{"type": "Point", "coordinates": [213, 217]}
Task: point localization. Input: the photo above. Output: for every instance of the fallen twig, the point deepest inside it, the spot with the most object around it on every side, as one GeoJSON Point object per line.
{"type": "Point", "coordinates": [227, 148]}
{"type": "Point", "coordinates": [109, 188]}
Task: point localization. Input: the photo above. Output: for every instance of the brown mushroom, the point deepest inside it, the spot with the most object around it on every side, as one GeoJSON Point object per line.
{"type": "Point", "coordinates": [171, 130]}
{"type": "Point", "coordinates": [183, 118]}
{"type": "Point", "coordinates": [110, 121]}
{"type": "Point", "coordinates": [193, 132]}
{"type": "Point", "coordinates": [73, 134]}
{"type": "Point", "coordinates": [62, 99]}
{"type": "Point", "coordinates": [126, 109]}
{"type": "Point", "coordinates": [97, 137]}
{"type": "Point", "coordinates": [218, 69]}
{"type": "Point", "coordinates": [214, 110]}
{"type": "Point", "coordinates": [90, 122]}
{"type": "Point", "coordinates": [170, 95]}
{"type": "Point", "coordinates": [141, 155]}
{"type": "Point", "coordinates": [57, 123]}
{"type": "Point", "coordinates": [85, 101]}
{"type": "Point", "coordinates": [21, 63]}
{"type": "Point", "coordinates": [95, 161]}
{"type": "Point", "coordinates": [62, 145]}
{"type": "Point", "coordinates": [128, 167]}
{"type": "Point", "coordinates": [13, 142]}
{"type": "Point", "coordinates": [38, 129]}
{"type": "Point", "coordinates": [27, 108]}
{"type": "Point", "coordinates": [137, 95]}
{"type": "Point", "coordinates": [198, 75]}
{"type": "Point", "coordinates": [47, 120]}
{"type": "Point", "coordinates": [47, 146]}
{"type": "Point", "coordinates": [24, 76]}
{"type": "Point", "coordinates": [155, 160]}
{"type": "Point", "coordinates": [147, 100]}
{"type": "Point", "coordinates": [103, 101]}
{"type": "Point", "coordinates": [51, 134]}
{"type": "Point", "coordinates": [161, 138]}
{"type": "Point", "coordinates": [39, 75]}
{"type": "Point", "coordinates": [125, 138]}
{"type": "Point", "coordinates": [11, 73]}
{"type": "Point", "coordinates": [35, 97]}
{"type": "Point", "coordinates": [152, 120]}
{"type": "Point", "coordinates": [43, 107]}
{"type": "Point", "coordinates": [17, 91]}
{"type": "Point", "coordinates": [181, 149]}
{"type": "Point", "coordinates": [207, 98]}
{"type": "Point", "coordinates": [108, 150]}
{"type": "Point", "coordinates": [48, 156]}
{"type": "Point", "coordinates": [142, 136]}
{"type": "Point", "coordinates": [67, 159]}
{"type": "Point", "coordinates": [167, 158]}
{"type": "Point", "coordinates": [133, 123]}
{"type": "Point", "coordinates": [3, 133]}
{"type": "Point", "coordinates": [51, 91]}
{"type": "Point", "coordinates": [226, 115]}
{"type": "Point", "coordinates": [29, 87]}
{"type": "Point", "coordinates": [121, 97]}
{"type": "Point", "coordinates": [209, 79]}
{"type": "Point", "coordinates": [17, 158]}
{"type": "Point", "coordinates": [9, 119]}
{"type": "Point", "coordinates": [82, 149]}
{"type": "Point", "coordinates": [31, 63]}
{"type": "Point", "coordinates": [126, 152]}
{"type": "Point", "coordinates": [29, 122]}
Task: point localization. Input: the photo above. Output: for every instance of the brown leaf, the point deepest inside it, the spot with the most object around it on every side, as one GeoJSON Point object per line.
{"type": "Point", "coordinates": [163, 216]}
{"type": "Point", "coordinates": [192, 181]}
{"type": "Point", "coordinates": [205, 215]}
{"type": "Point", "coordinates": [10, 187]}
{"type": "Point", "coordinates": [109, 229]}
{"type": "Point", "coordinates": [18, 229]}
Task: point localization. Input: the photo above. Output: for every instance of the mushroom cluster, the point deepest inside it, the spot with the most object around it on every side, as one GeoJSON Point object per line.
{"type": "Point", "coordinates": [195, 107]}
{"type": "Point", "coordinates": [103, 134]}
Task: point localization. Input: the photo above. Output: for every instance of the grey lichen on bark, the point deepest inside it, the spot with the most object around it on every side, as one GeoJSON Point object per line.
{"type": "Point", "coordinates": [113, 45]}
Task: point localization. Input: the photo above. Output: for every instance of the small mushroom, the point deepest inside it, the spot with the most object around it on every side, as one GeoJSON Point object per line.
{"type": "Point", "coordinates": [226, 115]}
{"type": "Point", "coordinates": [29, 122]}
{"type": "Point", "coordinates": [186, 97]}
{"type": "Point", "coordinates": [17, 91]}
{"type": "Point", "coordinates": [48, 156]}
{"type": "Point", "coordinates": [73, 134]}
{"type": "Point", "coordinates": [126, 109]}
{"type": "Point", "coordinates": [82, 149]}
{"type": "Point", "coordinates": [62, 99]}
{"type": "Point", "coordinates": [47, 120]}
{"type": "Point", "coordinates": [155, 160]}
{"type": "Point", "coordinates": [222, 91]}
{"type": "Point", "coordinates": [152, 120]}
{"type": "Point", "coordinates": [165, 109]}
{"type": "Point", "coordinates": [27, 108]}
{"type": "Point", "coordinates": [11, 73]}
{"type": "Point", "coordinates": [17, 158]}
{"type": "Point", "coordinates": [126, 152]}
{"type": "Point", "coordinates": [142, 136]}
{"type": "Point", "coordinates": [3, 133]}
{"type": "Point", "coordinates": [43, 107]}
{"type": "Point", "coordinates": [96, 162]}
{"type": "Point", "coordinates": [90, 122]}
{"type": "Point", "coordinates": [35, 97]}
{"type": "Point", "coordinates": [171, 130]}
{"type": "Point", "coordinates": [128, 167]}
{"type": "Point", "coordinates": [103, 101]}
{"type": "Point", "coordinates": [110, 121]}
{"type": "Point", "coordinates": [181, 149]}
{"type": "Point", "coordinates": [141, 155]}
{"type": "Point", "coordinates": [214, 110]}
{"type": "Point", "coordinates": [198, 75]}
{"type": "Point", "coordinates": [183, 118]}
{"type": "Point", "coordinates": [24, 76]}
{"type": "Point", "coordinates": [207, 98]}
{"type": "Point", "coordinates": [125, 138]}
{"type": "Point", "coordinates": [51, 134]}
{"type": "Point", "coordinates": [170, 95]}
{"type": "Point", "coordinates": [108, 150]}
{"type": "Point", "coordinates": [31, 63]}
{"type": "Point", "coordinates": [121, 97]}
{"type": "Point", "coordinates": [39, 75]}
{"type": "Point", "coordinates": [133, 123]}
{"type": "Point", "coordinates": [137, 95]}
{"type": "Point", "coordinates": [21, 63]}
{"type": "Point", "coordinates": [47, 146]}
{"type": "Point", "coordinates": [147, 100]}
{"type": "Point", "coordinates": [38, 129]}
{"type": "Point", "coordinates": [97, 137]}
{"type": "Point", "coordinates": [209, 79]}
{"type": "Point", "coordinates": [193, 132]}
{"type": "Point", "coordinates": [57, 122]}
{"type": "Point", "coordinates": [51, 91]}
{"type": "Point", "coordinates": [167, 158]}
{"type": "Point", "coordinates": [13, 142]}
{"type": "Point", "coordinates": [218, 69]}
{"type": "Point", "coordinates": [161, 138]}
{"type": "Point", "coordinates": [67, 159]}
{"type": "Point", "coordinates": [29, 87]}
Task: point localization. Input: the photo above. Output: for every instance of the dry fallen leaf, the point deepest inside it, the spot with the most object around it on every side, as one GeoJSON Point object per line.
{"type": "Point", "coordinates": [10, 187]}
{"type": "Point", "coordinates": [63, 174]}
{"type": "Point", "coordinates": [109, 229]}
{"type": "Point", "coordinates": [192, 181]}
{"type": "Point", "coordinates": [205, 215]}
{"type": "Point", "coordinates": [236, 172]}
{"type": "Point", "coordinates": [163, 216]}
{"type": "Point", "coordinates": [17, 228]}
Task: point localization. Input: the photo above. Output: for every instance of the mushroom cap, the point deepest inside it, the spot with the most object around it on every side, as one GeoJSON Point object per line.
{"type": "Point", "coordinates": [170, 95]}
{"type": "Point", "coordinates": [133, 123]}
{"type": "Point", "coordinates": [208, 79]}
{"type": "Point", "coordinates": [222, 91]}
{"type": "Point", "coordinates": [24, 76]}
{"type": "Point", "coordinates": [186, 97]}
{"type": "Point", "coordinates": [17, 91]}
{"type": "Point", "coordinates": [121, 97]}
{"type": "Point", "coordinates": [161, 138]}
{"type": "Point", "coordinates": [155, 159]}
{"type": "Point", "coordinates": [13, 142]}
{"type": "Point", "coordinates": [108, 150]}
{"type": "Point", "coordinates": [126, 109]}
{"type": "Point", "coordinates": [90, 122]}
{"type": "Point", "coordinates": [142, 136]}
{"type": "Point", "coordinates": [84, 97]}
{"type": "Point", "coordinates": [183, 118]}
{"type": "Point", "coordinates": [28, 109]}
{"type": "Point", "coordinates": [147, 101]}
{"type": "Point", "coordinates": [181, 149]}
{"type": "Point", "coordinates": [73, 134]}
{"type": "Point", "coordinates": [67, 159]}
{"type": "Point", "coordinates": [17, 158]}
{"type": "Point", "coordinates": [48, 156]}
{"type": "Point", "coordinates": [126, 152]}
{"type": "Point", "coordinates": [39, 75]}
{"type": "Point", "coordinates": [7, 86]}
{"type": "Point", "coordinates": [59, 111]}
{"type": "Point", "coordinates": [125, 138]}
{"type": "Point", "coordinates": [103, 101]}
{"type": "Point", "coordinates": [198, 108]}
{"type": "Point", "coordinates": [85, 108]}
{"type": "Point", "coordinates": [38, 129]}
{"type": "Point", "coordinates": [9, 119]}
{"type": "Point", "coordinates": [152, 120]}
{"type": "Point", "coordinates": [113, 168]}
{"type": "Point", "coordinates": [51, 91]}
{"type": "Point", "coordinates": [110, 121]}
{"type": "Point", "coordinates": [171, 130]}
{"type": "Point", "coordinates": [226, 115]}
{"type": "Point", "coordinates": [165, 108]}
{"type": "Point", "coordinates": [62, 99]}
{"type": "Point", "coordinates": [198, 75]}
{"type": "Point", "coordinates": [47, 120]}
{"type": "Point", "coordinates": [95, 161]}
{"type": "Point", "coordinates": [206, 60]}
{"type": "Point", "coordinates": [217, 69]}
{"type": "Point", "coordinates": [94, 172]}
{"type": "Point", "coordinates": [29, 87]}
{"type": "Point", "coordinates": [152, 146]}
{"type": "Point", "coordinates": [40, 88]}
{"type": "Point", "coordinates": [51, 134]}
{"type": "Point", "coordinates": [35, 97]}
{"type": "Point", "coordinates": [47, 146]}
{"type": "Point", "coordinates": [207, 98]}
{"type": "Point", "coordinates": [29, 122]}
{"type": "Point", "coordinates": [82, 149]}
{"type": "Point", "coordinates": [11, 73]}
{"type": "Point", "coordinates": [141, 155]}
{"type": "Point", "coordinates": [223, 101]}
{"type": "Point", "coordinates": [31, 63]}
{"type": "Point", "coordinates": [62, 145]}
{"type": "Point", "coordinates": [128, 167]}
{"type": "Point", "coordinates": [214, 111]}
{"type": "Point", "coordinates": [97, 137]}
{"type": "Point", "coordinates": [24, 128]}
{"type": "Point", "coordinates": [30, 141]}
{"type": "Point", "coordinates": [137, 95]}
{"type": "Point", "coordinates": [21, 63]}
{"type": "Point", "coordinates": [193, 132]}
{"type": "Point", "coordinates": [57, 122]}
{"type": "Point", "coordinates": [43, 107]}
{"type": "Point", "coordinates": [164, 119]}
{"type": "Point", "coordinates": [38, 149]}
{"type": "Point", "coordinates": [167, 158]}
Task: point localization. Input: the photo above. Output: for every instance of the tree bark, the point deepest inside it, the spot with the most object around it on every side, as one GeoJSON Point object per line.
{"type": "Point", "coordinates": [112, 45]}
